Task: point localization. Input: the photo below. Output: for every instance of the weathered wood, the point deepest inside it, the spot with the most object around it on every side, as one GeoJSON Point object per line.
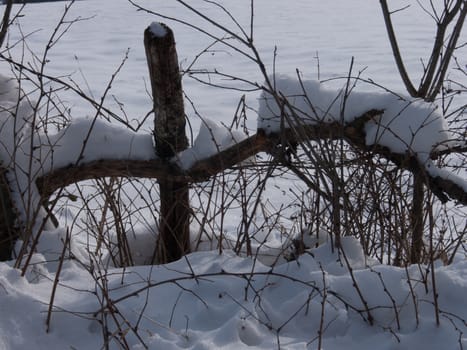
{"type": "Point", "coordinates": [130, 168]}
{"type": "Point", "coordinates": [203, 169]}
{"type": "Point", "coordinates": [170, 138]}
{"type": "Point", "coordinates": [8, 231]}
{"type": "Point", "coordinates": [166, 83]}
{"type": "Point", "coordinates": [416, 219]}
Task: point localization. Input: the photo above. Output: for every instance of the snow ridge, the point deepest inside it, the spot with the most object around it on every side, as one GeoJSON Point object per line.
{"type": "Point", "coordinates": [407, 125]}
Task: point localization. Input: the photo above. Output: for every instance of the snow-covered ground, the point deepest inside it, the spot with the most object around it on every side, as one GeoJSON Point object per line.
{"type": "Point", "coordinates": [324, 299]}
{"type": "Point", "coordinates": [236, 303]}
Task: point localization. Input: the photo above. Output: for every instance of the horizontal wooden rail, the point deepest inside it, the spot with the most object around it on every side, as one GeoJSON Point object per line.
{"type": "Point", "coordinates": [203, 169]}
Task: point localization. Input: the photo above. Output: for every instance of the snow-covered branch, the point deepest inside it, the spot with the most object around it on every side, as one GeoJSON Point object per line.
{"type": "Point", "coordinates": [406, 132]}
{"type": "Point", "coordinates": [203, 167]}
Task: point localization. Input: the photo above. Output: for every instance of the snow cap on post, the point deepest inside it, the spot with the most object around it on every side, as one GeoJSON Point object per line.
{"type": "Point", "coordinates": [170, 138]}
{"type": "Point", "coordinates": [158, 29]}
{"type": "Point", "coordinates": [166, 84]}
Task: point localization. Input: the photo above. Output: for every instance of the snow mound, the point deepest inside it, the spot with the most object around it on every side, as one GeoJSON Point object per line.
{"type": "Point", "coordinates": [211, 139]}
{"type": "Point", "coordinates": [407, 125]}
{"type": "Point", "coordinates": [87, 139]}
{"type": "Point", "coordinates": [29, 153]}
{"type": "Point", "coordinates": [207, 301]}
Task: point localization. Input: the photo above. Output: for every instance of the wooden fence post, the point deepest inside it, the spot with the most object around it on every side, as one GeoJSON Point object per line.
{"type": "Point", "coordinates": [170, 138]}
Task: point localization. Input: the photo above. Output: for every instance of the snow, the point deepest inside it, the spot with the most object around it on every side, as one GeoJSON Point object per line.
{"type": "Point", "coordinates": [436, 171]}
{"type": "Point", "coordinates": [211, 139]}
{"type": "Point", "coordinates": [8, 89]}
{"type": "Point", "coordinates": [406, 126]}
{"type": "Point", "coordinates": [83, 140]}
{"type": "Point", "coordinates": [157, 29]}
{"type": "Point", "coordinates": [234, 302]}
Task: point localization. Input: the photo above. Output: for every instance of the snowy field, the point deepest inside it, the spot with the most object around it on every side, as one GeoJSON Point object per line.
{"type": "Point", "coordinates": [323, 300]}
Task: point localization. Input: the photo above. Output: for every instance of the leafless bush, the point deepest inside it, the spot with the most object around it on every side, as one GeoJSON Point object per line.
{"type": "Point", "coordinates": [328, 189]}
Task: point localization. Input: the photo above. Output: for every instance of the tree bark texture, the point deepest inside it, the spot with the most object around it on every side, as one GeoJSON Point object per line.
{"type": "Point", "coordinates": [8, 231]}
{"type": "Point", "coordinates": [169, 138]}
{"type": "Point", "coordinates": [416, 218]}
{"type": "Point", "coordinates": [203, 169]}
{"type": "Point", "coordinates": [166, 84]}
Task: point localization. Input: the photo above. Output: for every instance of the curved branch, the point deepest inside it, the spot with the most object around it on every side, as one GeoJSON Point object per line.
{"type": "Point", "coordinates": [62, 177]}
{"type": "Point", "coordinates": [454, 190]}
{"type": "Point", "coordinates": [437, 82]}
{"type": "Point", "coordinates": [203, 169]}
{"type": "Point", "coordinates": [442, 26]}
{"type": "Point", "coordinates": [5, 21]}
{"type": "Point", "coordinates": [395, 48]}
{"type": "Point", "coordinates": [462, 148]}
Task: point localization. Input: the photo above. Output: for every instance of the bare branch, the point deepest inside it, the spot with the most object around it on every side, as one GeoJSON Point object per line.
{"type": "Point", "coordinates": [5, 21]}
{"type": "Point", "coordinates": [395, 48]}
{"type": "Point", "coordinates": [437, 82]}
{"type": "Point", "coordinates": [354, 133]}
